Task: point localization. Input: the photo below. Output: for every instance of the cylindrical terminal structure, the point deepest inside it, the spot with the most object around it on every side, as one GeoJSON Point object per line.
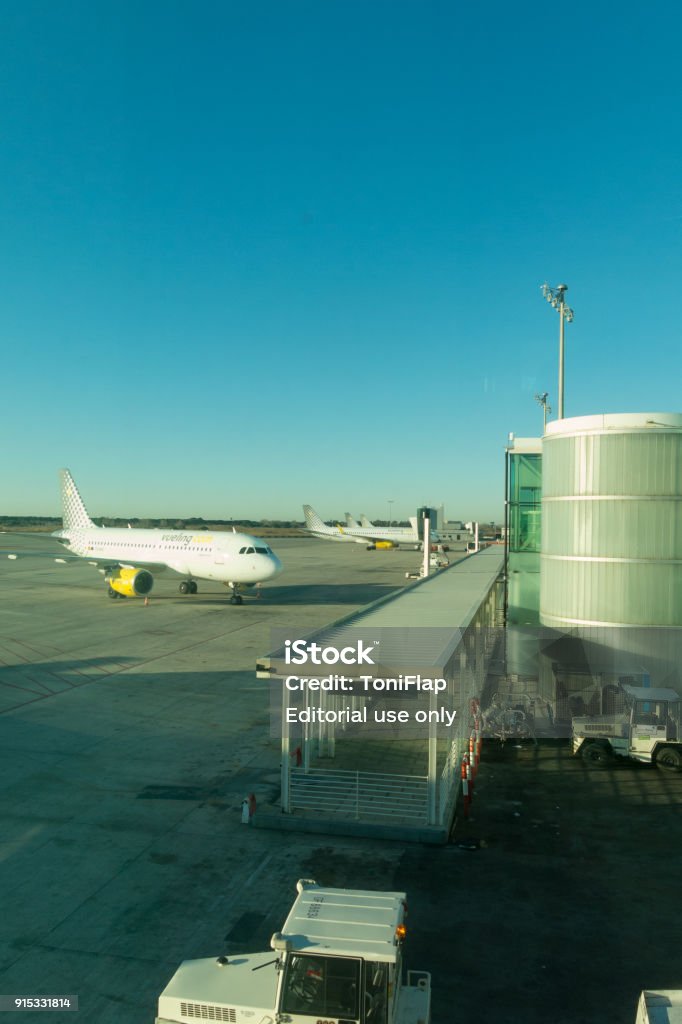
{"type": "Point", "coordinates": [612, 522]}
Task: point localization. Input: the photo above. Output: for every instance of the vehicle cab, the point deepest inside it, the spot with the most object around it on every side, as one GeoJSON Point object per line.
{"type": "Point", "coordinates": [342, 960]}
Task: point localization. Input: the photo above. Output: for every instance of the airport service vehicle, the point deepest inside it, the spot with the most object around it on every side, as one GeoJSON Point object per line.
{"type": "Point", "coordinates": [338, 960]}
{"type": "Point", "coordinates": [663, 1006]}
{"type": "Point", "coordinates": [128, 558]}
{"type": "Point", "coordinates": [648, 729]}
{"type": "Point", "coordinates": [371, 536]}
{"type": "Point", "coordinates": [436, 561]}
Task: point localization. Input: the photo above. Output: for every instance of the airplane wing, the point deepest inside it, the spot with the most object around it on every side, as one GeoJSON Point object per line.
{"type": "Point", "coordinates": [15, 552]}
{"type": "Point", "coordinates": [69, 559]}
{"type": "Point", "coordinates": [15, 544]}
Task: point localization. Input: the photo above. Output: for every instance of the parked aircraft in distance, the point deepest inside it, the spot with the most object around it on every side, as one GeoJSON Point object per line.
{"type": "Point", "coordinates": [374, 537]}
{"type": "Point", "coordinates": [129, 557]}
{"type": "Point", "coordinates": [353, 523]}
{"type": "Point", "coordinates": [364, 521]}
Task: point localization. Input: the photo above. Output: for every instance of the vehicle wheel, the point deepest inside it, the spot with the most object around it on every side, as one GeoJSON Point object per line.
{"type": "Point", "coordinates": [596, 755]}
{"type": "Point", "coordinates": [236, 599]}
{"type": "Point", "coordinates": [184, 587]}
{"type": "Point", "coordinates": [112, 593]}
{"type": "Point", "coordinates": [192, 587]}
{"type": "Point", "coordinates": [669, 759]}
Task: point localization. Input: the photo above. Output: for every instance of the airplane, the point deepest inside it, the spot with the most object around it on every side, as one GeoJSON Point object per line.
{"type": "Point", "coordinates": [364, 521]}
{"type": "Point", "coordinates": [376, 537]}
{"type": "Point", "coordinates": [353, 523]}
{"type": "Point", "coordinates": [127, 557]}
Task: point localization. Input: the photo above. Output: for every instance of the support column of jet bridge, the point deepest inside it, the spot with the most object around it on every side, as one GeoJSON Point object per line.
{"type": "Point", "coordinates": [350, 763]}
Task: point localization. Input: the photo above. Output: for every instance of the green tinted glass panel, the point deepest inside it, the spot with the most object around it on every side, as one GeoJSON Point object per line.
{"type": "Point", "coordinates": [525, 502]}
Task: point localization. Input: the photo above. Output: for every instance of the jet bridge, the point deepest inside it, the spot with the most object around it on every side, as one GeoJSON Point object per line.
{"type": "Point", "coordinates": [373, 742]}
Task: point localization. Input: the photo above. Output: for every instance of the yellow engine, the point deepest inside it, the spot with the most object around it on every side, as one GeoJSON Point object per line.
{"type": "Point", "coordinates": [384, 545]}
{"type": "Point", "coordinates": [131, 582]}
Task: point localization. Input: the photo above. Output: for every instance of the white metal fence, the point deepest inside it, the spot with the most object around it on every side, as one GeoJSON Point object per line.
{"type": "Point", "coordinates": [372, 796]}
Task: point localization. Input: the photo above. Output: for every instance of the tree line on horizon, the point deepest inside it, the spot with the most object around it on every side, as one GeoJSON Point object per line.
{"type": "Point", "coordinates": [192, 523]}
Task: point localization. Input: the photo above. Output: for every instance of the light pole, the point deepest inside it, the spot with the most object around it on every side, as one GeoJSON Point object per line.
{"type": "Point", "coordinates": [546, 408]}
{"type": "Point", "coordinates": [557, 298]}
{"type": "Point", "coordinates": [390, 503]}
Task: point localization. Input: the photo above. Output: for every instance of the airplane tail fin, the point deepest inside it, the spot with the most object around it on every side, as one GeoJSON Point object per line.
{"type": "Point", "coordinates": [313, 521]}
{"type": "Point", "coordinates": [74, 513]}
{"type": "Point", "coordinates": [365, 522]}
{"type": "Point", "coordinates": [350, 521]}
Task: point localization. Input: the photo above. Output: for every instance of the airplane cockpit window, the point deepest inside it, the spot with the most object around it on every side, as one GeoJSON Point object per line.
{"type": "Point", "coordinates": [242, 551]}
{"type": "Point", "coordinates": [322, 986]}
{"type": "Point", "coordinates": [261, 551]}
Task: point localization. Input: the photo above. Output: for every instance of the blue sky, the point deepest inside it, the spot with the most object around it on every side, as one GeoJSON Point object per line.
{"type": "Point", "coordinates": [262, 254]}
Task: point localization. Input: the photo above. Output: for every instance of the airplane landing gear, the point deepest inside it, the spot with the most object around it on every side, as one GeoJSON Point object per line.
{"type": "Point", "coordinates": [236, 599]}
{"type": "Point", "coordinates": [188, 587]}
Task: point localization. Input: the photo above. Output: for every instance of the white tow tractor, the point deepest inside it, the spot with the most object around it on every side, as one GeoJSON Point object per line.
{"type": "Point", "coordinates": [338, 960]}
{"type": "Point", "coordinates": [661, 1006]}
{"type": "Point", "coordinates": [648, 729]}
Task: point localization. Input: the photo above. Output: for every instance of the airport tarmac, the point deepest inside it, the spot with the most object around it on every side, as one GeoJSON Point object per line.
{"type": "Point", "coordinates": [130, 736]}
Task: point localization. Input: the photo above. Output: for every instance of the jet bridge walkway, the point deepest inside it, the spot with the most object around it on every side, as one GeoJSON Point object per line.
{"type": "Point", "coordinates": [366, 777]}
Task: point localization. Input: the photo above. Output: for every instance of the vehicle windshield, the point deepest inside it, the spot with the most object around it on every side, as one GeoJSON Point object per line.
{"type": "Point", "coordinates": [650, 712]}
{"type": "Point", "coordinates": [321, 986]}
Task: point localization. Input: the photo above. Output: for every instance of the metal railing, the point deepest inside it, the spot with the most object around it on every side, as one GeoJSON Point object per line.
{"type": "Point", "coordinates": [360, 795]}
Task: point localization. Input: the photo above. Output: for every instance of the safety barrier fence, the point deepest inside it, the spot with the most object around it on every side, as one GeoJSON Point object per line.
{"type": "Point", "coordinates": [374, 796]}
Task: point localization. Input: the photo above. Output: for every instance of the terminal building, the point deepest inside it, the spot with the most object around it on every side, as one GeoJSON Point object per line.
{"type": "Point", "coordinates": [585, 596]}
{"type": "Point", "coordinates": [594, 561]}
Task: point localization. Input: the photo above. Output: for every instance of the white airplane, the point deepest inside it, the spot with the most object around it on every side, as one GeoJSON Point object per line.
{"type": "Point", "coordinates": [364, 521]}
{"type": "Point", "coordinates": [377, 536]}
{"type": "Point", "coordinates": [127, 557]}
{"type": "Point", "coordinates": [353, 523]}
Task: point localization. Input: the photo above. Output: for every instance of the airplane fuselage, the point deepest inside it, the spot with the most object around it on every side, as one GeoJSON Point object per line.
{"type": "Point", "coordinates": [225, 557]}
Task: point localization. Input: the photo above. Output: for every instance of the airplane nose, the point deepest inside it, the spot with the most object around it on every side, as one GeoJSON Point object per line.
{"type": "Point", "coordinates": [275, 566]}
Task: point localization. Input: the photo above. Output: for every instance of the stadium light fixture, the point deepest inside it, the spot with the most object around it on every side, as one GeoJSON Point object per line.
{"type": "Point", "coordinates": [557, 298]}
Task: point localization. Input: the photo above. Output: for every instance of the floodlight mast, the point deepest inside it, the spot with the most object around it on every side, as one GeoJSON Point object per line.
{"type": "Point", "coordinates": [546, 408]}
{"type": "Point", "coordinates": [557, 298]}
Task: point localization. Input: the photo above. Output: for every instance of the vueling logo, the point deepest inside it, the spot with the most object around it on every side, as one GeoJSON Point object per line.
{"type": "Point", "coordinates": [298, 652]}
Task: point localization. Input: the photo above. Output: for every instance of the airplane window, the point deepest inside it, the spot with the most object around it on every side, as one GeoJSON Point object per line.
{"type": "Point", "coordinates": [242, 551]}
{"type": "Point", "coordinates": [250, 551]}
{"type": "Point", "coordinates": [261, 551]}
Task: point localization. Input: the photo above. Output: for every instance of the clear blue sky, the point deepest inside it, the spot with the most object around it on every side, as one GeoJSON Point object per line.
{"type": "Point", "coordinates": [256, 254]}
